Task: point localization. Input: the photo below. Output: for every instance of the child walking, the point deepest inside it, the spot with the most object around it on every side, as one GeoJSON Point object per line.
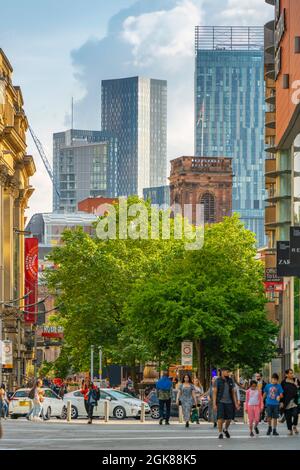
{"type": "Point", "coordinates": [253, 406]}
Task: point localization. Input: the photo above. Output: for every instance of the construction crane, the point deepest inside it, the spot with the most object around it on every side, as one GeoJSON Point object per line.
{"type": "Point", "coordinates": [44, 158]}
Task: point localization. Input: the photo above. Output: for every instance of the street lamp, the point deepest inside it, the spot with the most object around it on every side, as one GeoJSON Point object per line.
{"type": "Point", "coordinates": [92, 363]}
{"type": "Point", "coordinates": [100, 363]}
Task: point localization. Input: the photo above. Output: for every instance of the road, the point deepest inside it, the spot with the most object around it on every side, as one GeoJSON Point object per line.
{"type": "Point", "coordinates": [59, 435]}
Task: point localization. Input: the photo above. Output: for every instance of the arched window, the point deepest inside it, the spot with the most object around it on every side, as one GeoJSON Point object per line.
{"type": "Point", "coordinates": [208, 200]}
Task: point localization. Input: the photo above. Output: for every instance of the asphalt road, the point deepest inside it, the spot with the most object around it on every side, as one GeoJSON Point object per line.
{"type": "Point", "coordinates": [58, 435]}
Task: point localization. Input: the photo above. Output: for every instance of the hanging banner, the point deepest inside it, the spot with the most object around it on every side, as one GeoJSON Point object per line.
{"type": "Point", "coordinates": [31, 279]}
{"type": "Point", "coordinates": [7, 355]}
{"type": "Point", "coordinates": [187, 354]}
{"type": "Point", "coordinates": [284, 267]}
{"type": "Point", "coordinates": [295, 247]}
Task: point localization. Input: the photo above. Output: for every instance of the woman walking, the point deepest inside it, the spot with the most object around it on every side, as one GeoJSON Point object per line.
{"type": "Point", "coordinates": [187, 397]}
{"type": "Point", "coordinates": [37, 393]}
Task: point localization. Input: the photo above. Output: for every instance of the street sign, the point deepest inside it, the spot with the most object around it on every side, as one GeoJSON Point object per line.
{"type": "Point", "coordinates": [274, 286]}
{"type": "Point", "coordinates": [272, 276]}
{"type": "Point", "coordinates": [50, 331]}
{"type": "Point", "coordinates": [187, 354]}
{"type": "Point", "coordinates": [295, 246]}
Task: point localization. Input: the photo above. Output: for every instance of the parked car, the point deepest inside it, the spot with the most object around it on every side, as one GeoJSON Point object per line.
{"type": "Point", "coordinates": [20, 404]}
{"type": "Point", "coordinates": [121, 406]}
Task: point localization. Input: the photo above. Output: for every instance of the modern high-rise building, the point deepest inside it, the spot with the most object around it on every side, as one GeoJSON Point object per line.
{"type": "Point", "coordinates": [229, 112]}
{"type": "Point", "coordinates": [84, 165]}
{"type": "Point", "coordinates": [135, 111]}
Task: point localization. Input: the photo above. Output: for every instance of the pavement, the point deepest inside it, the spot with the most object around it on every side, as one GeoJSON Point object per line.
{"type": "Point", "coordinates": [131, 435]}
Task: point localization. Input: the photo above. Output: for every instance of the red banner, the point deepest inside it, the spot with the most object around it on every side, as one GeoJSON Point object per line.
{"type": "Point", "coordinates": [31, 279]}
{"type": "Point", "coordinates": [274, 286]}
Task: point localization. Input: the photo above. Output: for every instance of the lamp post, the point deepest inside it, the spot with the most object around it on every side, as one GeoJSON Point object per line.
{"type": "Point", "coordinates": [100, 363]}
{"type": "Point", "coordinates": [92, 363]}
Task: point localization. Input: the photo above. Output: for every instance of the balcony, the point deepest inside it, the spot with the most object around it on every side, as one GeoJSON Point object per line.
{"type": "Point", "coordinates": [270, 119]}
{"type": "Point", "coordinates": [270, 132]}
{"type": "Point", "coordinates": [270, 165]}
{"type": "Point", "coordinates": [270, 96]}
{"type": "Point", "coordinates": [270, 216]}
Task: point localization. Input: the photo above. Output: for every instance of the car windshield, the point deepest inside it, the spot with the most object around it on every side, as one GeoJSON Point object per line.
{"type": "Point", "coordinates": [119, 395]}
{"type": "Point", "coordinates": [21, 394]}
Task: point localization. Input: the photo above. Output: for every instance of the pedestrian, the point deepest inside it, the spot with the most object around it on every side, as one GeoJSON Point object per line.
{"type": "Point", "coordinates": [273, 393]}
{"type": "Point", "coordinates": [224, 401]}
{"type": "Point", "coordinates": [164, 395]}
{"type": "Point", "coordinates": [36, 394]}
{"type": "Point", "coordinates": [212, 416]}
{"type": "Point", "coordinates": [84, 391]}
{"type": "Point", "coordinates": [93, 397]}
{"type": "Point", "coordinates": [238, 395]}
{"type": "Point", "coordinates": [187, 397]}
{"type": "Point", "coordinates": [4, 402]}
{"type": "Point", "coordinates": [199, 393]}
{"type": "Point", "coordinates": [261, 386]}
{"type": "Point", "coordinates": [290, 401]}
{"type": "Point", "coordinates": [253, 406]}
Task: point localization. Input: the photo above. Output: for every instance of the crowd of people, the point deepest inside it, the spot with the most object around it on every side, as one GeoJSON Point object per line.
{"type": "Point", "coordinates": [264, 401]}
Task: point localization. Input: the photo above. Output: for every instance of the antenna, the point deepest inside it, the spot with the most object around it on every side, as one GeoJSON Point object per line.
{"type": "Point", "coordinates": [72, 113]}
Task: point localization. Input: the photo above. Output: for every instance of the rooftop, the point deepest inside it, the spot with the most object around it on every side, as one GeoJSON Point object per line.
{"type": "Point", "coordinates": [229, 38]}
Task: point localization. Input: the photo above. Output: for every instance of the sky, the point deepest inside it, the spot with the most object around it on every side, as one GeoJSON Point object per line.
{"type": "Point", "coordinates": [64, 48]}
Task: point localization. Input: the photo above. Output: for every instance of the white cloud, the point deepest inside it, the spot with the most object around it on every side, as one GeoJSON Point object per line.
{"type": "Point", "coordinates": [164, 34]}
{"type": "Point", "coordinates": [246, 12]}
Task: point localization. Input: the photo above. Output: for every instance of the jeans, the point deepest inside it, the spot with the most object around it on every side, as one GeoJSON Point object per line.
{"type": "Point", "coordinates": [165, 404]}
{"type": "Point", "coordinates": [4, 411]}
{"type": "Point", "coordinates": [86, 405]}
{"type": "Point", "coordinates": [90, 412]}
{"type": "Point", "coordinates": [291, 417]}
{"type": "Point", "coordinates": [37, 410]}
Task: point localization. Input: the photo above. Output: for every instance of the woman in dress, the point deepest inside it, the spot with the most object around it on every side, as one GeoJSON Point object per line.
{"type": "Point", "coordinates": [187, 397]}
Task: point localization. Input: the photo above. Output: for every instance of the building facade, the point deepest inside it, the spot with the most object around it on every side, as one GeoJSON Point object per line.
{"type": "Point", "coordinates": [135, 111]}
{"type": "Point", "coordinates": [229, 112]}
{"type": "Point", "coordinates": [203, 180]}
{"type": "Point", "coordinates": [282, 168]}
{"type": "Point", "coordinates": [96, 205]}
{"type": "Point", "coordinates": [16, 168]}
{"type": "Point", "coordinates": [84, 164]}
{"type": "Point", "coordinates": [159, 195]}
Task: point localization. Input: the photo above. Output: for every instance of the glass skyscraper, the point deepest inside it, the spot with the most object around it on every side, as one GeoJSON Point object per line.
{"type": "Point", "coordinates": [229, 112]}
{"type": "Point", "coordinates": [84, 165]}
{"type": "Point", "coordinates": [135, 111]}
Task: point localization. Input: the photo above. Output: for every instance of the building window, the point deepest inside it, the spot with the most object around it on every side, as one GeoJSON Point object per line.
{"type": "Point", "coordinates": [208, 200]}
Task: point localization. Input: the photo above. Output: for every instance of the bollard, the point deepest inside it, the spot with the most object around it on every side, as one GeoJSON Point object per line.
{"type": "Point", "coordinates": [69, 411]}
{"type": "Point", "coordinates": [180, 415]}
{"type": "Point", "coordinates": [106, 411]}
{"type": "Point", "coordinates": [143, 414]}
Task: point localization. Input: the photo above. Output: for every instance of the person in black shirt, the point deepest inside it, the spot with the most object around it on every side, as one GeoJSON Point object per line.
{"type": "Point", "coordinates": [224, 401]}
{"type": "Point", "coordinates": [290, 401]}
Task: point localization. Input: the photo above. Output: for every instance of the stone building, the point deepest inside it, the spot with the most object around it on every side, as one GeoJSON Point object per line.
{"type": "Point", "coordinates": [203, 180]}
{"type": "Point", "coordinates": [16, 168]}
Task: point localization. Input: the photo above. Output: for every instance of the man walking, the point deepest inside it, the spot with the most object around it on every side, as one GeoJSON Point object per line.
{"type": "Point", "coordinates": [290, 401]}
{"type": "Point", "coordinates": [224, 401]}
{"type": "Point", "coordinates": [164, 395]}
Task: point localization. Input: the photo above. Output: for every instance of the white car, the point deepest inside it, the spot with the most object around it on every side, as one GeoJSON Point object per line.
{"type": "Point", "coordinates": [20, 404]}
{"type": "Point", "coordinates": [121, 405]}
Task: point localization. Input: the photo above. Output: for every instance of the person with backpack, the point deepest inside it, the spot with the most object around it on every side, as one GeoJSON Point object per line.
{"type": "Point", "coordinates": [164, 394]}
{"type": "Point", "coordinates": [93, 397]}
{"type": "Point", "coordinates": [224, 401]}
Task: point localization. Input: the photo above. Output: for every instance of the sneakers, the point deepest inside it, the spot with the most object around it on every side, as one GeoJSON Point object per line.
{"type": "Point", "coordinates": [256, 430]}
{"type": "Point", "coordinates": [251, 434]}
{"type": "Point", "coordinates": [295, 429]}
{"type": "Point", "coordinates": [160, 421]}
{"type": "Point", "coordinates": [226, 433]}
{"type": "Point", "coordinates": [275, 433]}
{"type": "Point", "coordinates": [221, 435]}
{"type": "Point", "coordinates": [187, 424]}
{"type": "Point", "coordinates": [269, 431]}
{"type": "Point", "coordinates": [167, 423]}
{"type": "Point", "coordinates": [290, 433]}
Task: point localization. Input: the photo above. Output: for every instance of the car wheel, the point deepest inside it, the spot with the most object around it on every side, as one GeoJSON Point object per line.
{"type": "Point", "coordinates": [155, 412]}
{"type": "Point", "coordinates": [119, 412]}
{"type": "Point", "coordinates": [205, 413]}
{"type": "Point", "coordinates": [74, 412]}
{"type": "Point", "coordinates": [47, 415]}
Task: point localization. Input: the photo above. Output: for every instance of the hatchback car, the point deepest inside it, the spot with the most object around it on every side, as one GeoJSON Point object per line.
{"type": "Point", "coordinates": [20, 404]}
{"type": "Point", "coordinates": [121, 405]}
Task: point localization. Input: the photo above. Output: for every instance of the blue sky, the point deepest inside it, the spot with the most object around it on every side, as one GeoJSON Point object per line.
{"type": "Point", "coordinates": [64, 48]}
